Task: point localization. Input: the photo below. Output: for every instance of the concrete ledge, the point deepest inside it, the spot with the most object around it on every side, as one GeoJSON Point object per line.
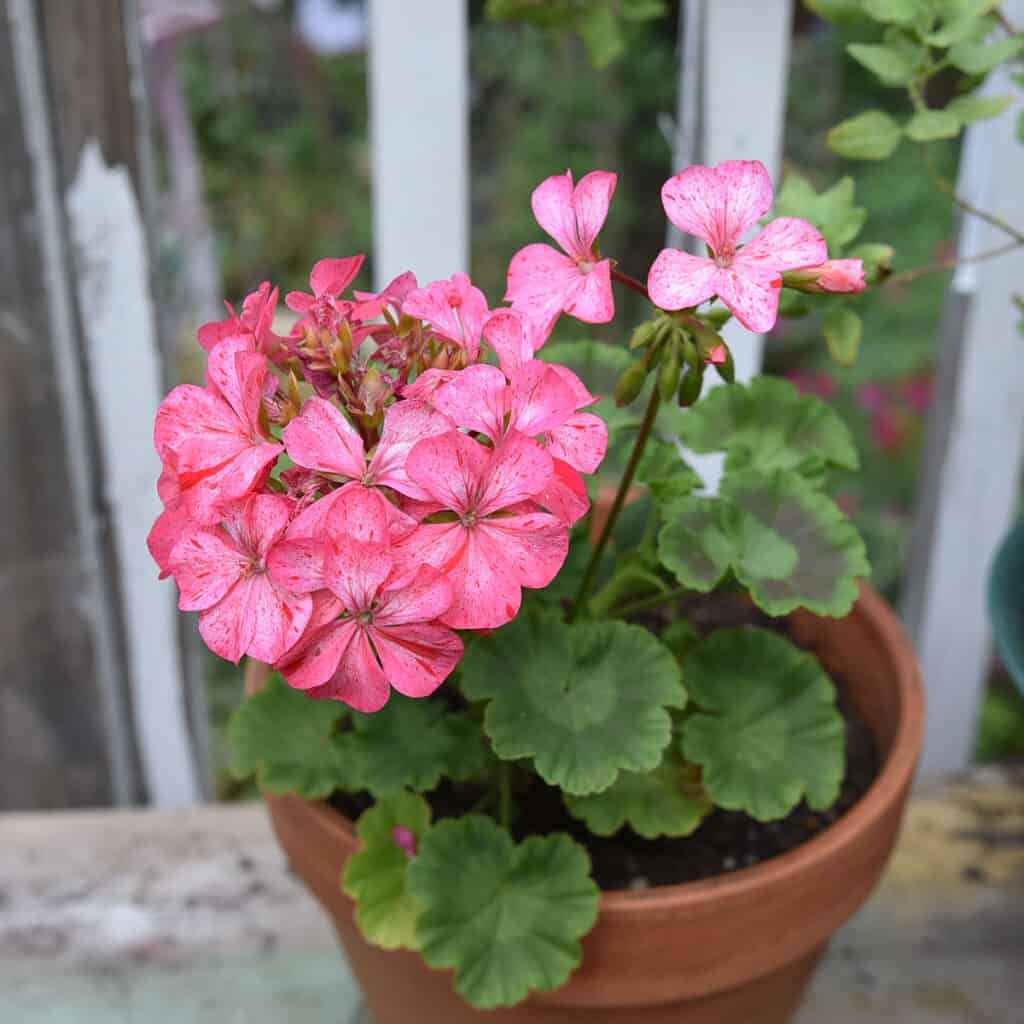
{"type": "Point", "coordinates": [191, 917]}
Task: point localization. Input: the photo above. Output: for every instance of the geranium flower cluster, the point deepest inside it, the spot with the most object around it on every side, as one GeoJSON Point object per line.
{"type": "Point", "coordinates": [342, 500]}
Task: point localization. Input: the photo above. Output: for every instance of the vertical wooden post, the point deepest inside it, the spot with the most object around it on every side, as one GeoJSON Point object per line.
{"type": "Point", "coordinates": [91, 698]}
{"type": "Point", "coordinates": [419, 132]}
{"type": "Point", "coordinates": [970, 486]}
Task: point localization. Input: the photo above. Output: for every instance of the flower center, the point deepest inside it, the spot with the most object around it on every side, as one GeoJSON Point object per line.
{"type": "Point", "coordinates": [724, 258]}
{"type": "Point", "coordinates": [468, 519]}
{"type": "Point", "coordinates": [585, 265]}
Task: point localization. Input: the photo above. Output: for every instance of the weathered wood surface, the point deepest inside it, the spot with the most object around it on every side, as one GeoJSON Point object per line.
{"type": "Point", "coordinates": [90, 658]}
{"type": "Point", "coordinates": [152, 917]}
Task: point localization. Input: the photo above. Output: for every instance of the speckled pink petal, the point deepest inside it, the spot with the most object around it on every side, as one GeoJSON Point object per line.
{"type": "Point", "coordinates": [579, 389]}
{"type": "Point", "coordinates": [206, 564]}
{"type": "Point", "coordinates": [299, 302]}
{"type": "Point", "coordinates": [540, 399]}
{"type": "Point", "coordinates": [455, 309]}
{"type": "Point", "coordinates": [187, 412]}
{"type": "Point", "coordinates": [170, 526]}
{"type": "Point", "coordinates": [541, 280]}
{"type": "Point", "coordinates": [298, 565]}
{"type": "Point", "coordinates": [321, 438]}
{"type": "Point", "coordinates": [355, 571]}
{"type": "Point", "coordinates": [512, 337]}
{"type": "Point", "coordinates": [718, 204]}
{"type": "Point", "coordinates": [417, 658]}
{"type": "Point", "coordinates": [237, 374]}
{"type": "Point", "coordinates": [279, 619]}
{"type": "Point", "coordinates": [360, 514]}
{"type": "Point", "coordinates": [590, 201]}
{"type": "Point", "coordinates": [566, 495]}
{"type": "Point", "coordinates": [333, 276]}
{"type": "Point", "coordinates": [313, 661]}
{"type": "Point", "coordinates": [533, 546]}
{"type": "Point", "coordinates": [359, 680]}
{"type": "Point", "coordinates": [552, 206]}
{"type": "Point", "coordinates": [519, 467]}
{"type": "Point", "coordinates": [752, 293]}
{"type": "Point", "coordinates": [405, 424]}
{"type": "Point", "coordinates": [582, 441]}
{"type": "Point", "coordinates": [477, 399]}
{"type": "Point", "coordinates": [593, 301]}
{"type": "Point", "coordinates": [485, 594]}
{"type": "Point", "coordinates": [265, 517]}
{"type": "Point", "coordinates": [420, 597]}
{"type": "Point", "coordinates": [787, 243]}
{"type": "Point", "coordinates": [440, 545]}
{"type": "Point", "coordinates": [229, 626]}
{"type": "Point", "coordinates": [678, 280]}
{"type": "Point", "coordinates": [449, 468]}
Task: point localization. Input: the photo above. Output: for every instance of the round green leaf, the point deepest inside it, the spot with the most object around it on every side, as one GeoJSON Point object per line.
{"type": "Point", "coordinates": [969, 109]}
{"type": "Point", "coordinates": [696, 543]}
{"type": "Point", "coordinates": [291, 743]}
{"type": "Point", "coordinates": [432, 741]}
{"type": "Point", "coordinates": [843, 330]}
{"type": "Point", "coordinates": [507, 918]}
{"type": "Point", "coordinates": [832, 212]}
{"type": "Point", "coordinates": [768, 732]}
{"type": "Point", "coordinates": [979, 58]}
{"type": "Point", "coordinates": [585, 701]}
{"type": "Point", "coordinates": [782, 516]}
{"type": "Point", "coordinates": [872, 135]}
{"type": "Point", "coordinates": [668, 801]}
{"type": "Point", "coordinates": [663, 471]}
{"type": "Point", "coordinates": [376, 877]}
{"type": "Point", "coordinates": [890, 65]}
{"type": "Point", "coordinates": [769, 425]}
{"type": "Point", "coordinates": [929, 125]}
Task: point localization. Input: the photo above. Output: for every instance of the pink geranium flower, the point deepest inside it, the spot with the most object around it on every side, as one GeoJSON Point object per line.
{"type": "Point", "coordinates": [455, 309]}
{"type": "Point", "coordinates": [211, 439]}
{"type": "Point", "coordinates": [388, 633]}
{"type": "Point", "coordinates": [328, 279]}
{"type": "Point", "coordinates": [221, 572]}
{"type": "Point", "coordinates": [255, 322]}
{"type": "Point", "coordinates": [498, 541]}
{"type": "Point", "coordinates": [720, 205]}
{"type": "Point", "coordinates": [542, 282]}
{"type": "Point", "coordinates": [541, 401]}
{"type": "Point", "coordinates": [514, 338]}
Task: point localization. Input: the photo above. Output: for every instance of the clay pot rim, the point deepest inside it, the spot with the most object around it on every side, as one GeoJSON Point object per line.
{"type": "Point", "coordinates": [883, 793]}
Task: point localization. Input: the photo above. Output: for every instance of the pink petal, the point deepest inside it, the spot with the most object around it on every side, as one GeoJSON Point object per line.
{"type": "Point", "coordinates": [511, 336]}
{"type": "Point", "coordinates": [426, 384]}
{"type": "Point", "coordinates": [244, 473]}
{"type": "Point", "coordinates": [316, 658]}
{"type": "Point", "coordinates": [206, 565]}
{"type": "Point", "coordinates": [582, 441]}
{"type": "Point", "coordinates": [552, 206]}
{"type": "Point", "coordinates": [264, 520]}
{"type": "Point", "coordinates": [333, 276]}
{"type": "Point", "coordinates": [298, 565]}
{"type": "Point", "coordinates": [417, 658]}
{"type": "Point", "coordinates": [787, 243]}
{"type": "Point", "coordinates": [449, 468]}
{"type": "Point", "coordinates": [405, 423]}
{"type": "Point", "coordinates": [440, 545]}
{"type": "Point", "coordinates": [836, 276]}
{"type": "Point", "coordinates": [593, 302]}
{"type": "Point", "coordinates": [299, 302]}
{"type": "Point", "coordinates": [419, 597]}
{"type": "Point", "coordinates": [476, 399]}
{"type": "Point", "coordinates": [566, 495]}
{"type": "Point", "coordinates": [237, 374]}
{"type": "Point", "coordinates": [229, 626]}
{"type": "Point", "coordinates": [541, 280]}
{"type": "Point", "coordinates": [360, 514]}
{"type": "Point", "coordinates": [354, 572]}
{"type": "Point", "coordinates": [540, 399]}
{"type": "Point", "coordinates": [321, 438]}
{"type": "Point", "coordinates": [279, 619]}
{"type": "Point", "coordinates": [359, 681]}
{"type": "Point", "coordinates": [718, 204]}
{"type": "Point", "coordinates": [170, 526]}
{"type": "Point", "coordinates": [455, 309]}
{"type": "Point", "coordinates": [187, 412]}
{"type": "Point", "coordinates": [678, 280]}
{"type": "Point", "coordinates": [590, 201]}
{"type": "Point", "coordinates": [579, 389]}
{"type": "Point", "coordinates": [532, 546]}
{"type": "Point", "coordinates": [752, 293]}
{"type": "Point", "coordinates": [484, 593]}
{"type": "Point", "coordinates": [519, 468]}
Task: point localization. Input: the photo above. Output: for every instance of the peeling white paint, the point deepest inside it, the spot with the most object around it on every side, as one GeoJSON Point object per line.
{"type": "Point", "coordinates": [119, 324]}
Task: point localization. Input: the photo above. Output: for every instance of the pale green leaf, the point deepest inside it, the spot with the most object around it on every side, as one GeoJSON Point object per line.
{"type": "Point", "coordinates": [663, 471]}
{"type": "Point", "coordinates": [978, 58]}
{"type": "Point", "coordinates": [291, 743]}
{"type": "Point", "coordinates": [768, 732]}
{"type": "Point", "coordinates": [585, 701]}
{"type": "Point", "coordinates": [843, 330]}
{"type": "Point", "coordinates": [873, 135]}
{"type": "Point", "coordinates": [970, 109]}
{"type": "Point", "coordinates": [841, 12]}
{"type": "Point", "coordinates": [668, 801]}
{"type": "Point", "coordinates": [929, 125]}
{"type": "Point", "coordinates": [889, 65]}
{"type": "Point", "coordinates": [508, 918]}
{"type": "Point", "coordinates": [896, 12]}
{"type": "Point", "coordinates": [832, 212]}
{"type": "Point", "coordinates": [376, 876]}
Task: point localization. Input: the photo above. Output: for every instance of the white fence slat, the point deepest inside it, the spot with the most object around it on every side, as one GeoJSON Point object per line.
{"type": "Point", "coordinates": [419, 135]}
{"type": "Point", "coordinates": [971, 483]}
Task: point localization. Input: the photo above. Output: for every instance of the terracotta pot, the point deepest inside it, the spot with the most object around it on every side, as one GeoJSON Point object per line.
{"type": "Point", "coordinates": [738, 949]}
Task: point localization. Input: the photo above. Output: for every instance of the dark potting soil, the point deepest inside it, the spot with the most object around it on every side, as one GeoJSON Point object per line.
{"type": "Point", "coordinates": [726, 841]}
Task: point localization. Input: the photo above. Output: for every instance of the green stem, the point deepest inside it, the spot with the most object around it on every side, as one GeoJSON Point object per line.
{"type": "Point", "coordinates": [620, 499]}
{"type": "Point", "coordinates": [643, 603]}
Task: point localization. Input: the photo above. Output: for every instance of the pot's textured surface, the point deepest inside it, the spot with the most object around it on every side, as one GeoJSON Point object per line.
{"type": "Point", "coordinates": [738, 949]}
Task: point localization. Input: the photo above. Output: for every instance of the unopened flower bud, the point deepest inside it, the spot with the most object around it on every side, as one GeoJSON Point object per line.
{"type": "Point", "coordinates": [690, 386]}
{"type": "Point", "coordinates": [668, 375]}
{"type": "Point", "coordinates": [833, 276]}
{"type": "Point", "coordinates": [630, 384]}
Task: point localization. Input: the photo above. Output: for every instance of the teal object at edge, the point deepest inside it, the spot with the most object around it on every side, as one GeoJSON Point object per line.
{"type": "Point", "coordinates": [1006, 602]}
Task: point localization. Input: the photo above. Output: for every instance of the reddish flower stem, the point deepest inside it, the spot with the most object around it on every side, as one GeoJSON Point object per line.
{"type": "Point", "coordinates": [630, 282]}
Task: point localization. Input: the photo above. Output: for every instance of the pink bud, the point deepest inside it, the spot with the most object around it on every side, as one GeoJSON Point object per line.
{"type": "Point", "coordinates": [405, 839]}
{"type": "Point", "coordinates": [832, 276]}
{"type": "Point", "coordinates": [718, 356]}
